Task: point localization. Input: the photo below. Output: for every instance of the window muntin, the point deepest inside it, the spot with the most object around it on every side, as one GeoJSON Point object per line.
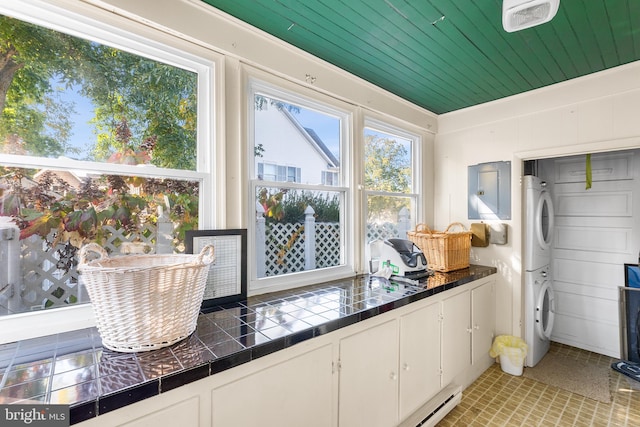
{"type": "Point", "coordinates": [391, 177]}
{"type": "Point", "coordinates": [309, 137]}
{"type": "Point", "coordinates": [183, 174]}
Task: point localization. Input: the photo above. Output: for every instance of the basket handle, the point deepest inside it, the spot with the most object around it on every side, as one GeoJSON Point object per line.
{"type": "Point", "coordinates": [91, 247]}
{"type": "Point", "coordinates": [423, 227]}
{"type": "Point", "coordinates": [453, 224]}
{"type": "Point", "coordinates": [206, 255]}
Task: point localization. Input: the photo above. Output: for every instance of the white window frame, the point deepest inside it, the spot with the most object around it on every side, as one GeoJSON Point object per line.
{"type": "Point", "coordinates": [105, 28]}
{"type": "Point", "coordinates": [262, 83]}
{"type": "Point", "coordinates": [399, 129]}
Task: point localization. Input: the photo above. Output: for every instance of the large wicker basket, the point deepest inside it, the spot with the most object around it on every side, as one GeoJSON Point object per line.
{"type": "Point", "coordinates": [446, 250]}
{"type": "Point", "coordinates": [144, 302]}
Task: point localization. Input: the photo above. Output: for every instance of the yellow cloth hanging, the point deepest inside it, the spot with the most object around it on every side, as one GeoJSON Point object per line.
{"type": "Point", "coordinates": [588, 172]}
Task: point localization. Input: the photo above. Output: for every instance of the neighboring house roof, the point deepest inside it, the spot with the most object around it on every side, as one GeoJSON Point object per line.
{"type": "Point", "coordinates": [312, 137]}
{"type": "Point", "coordinates": [323, 147]}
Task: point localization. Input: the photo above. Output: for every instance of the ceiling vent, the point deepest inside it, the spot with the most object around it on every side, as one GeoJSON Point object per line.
{"type": "Point", "coordinates": [520, 14]}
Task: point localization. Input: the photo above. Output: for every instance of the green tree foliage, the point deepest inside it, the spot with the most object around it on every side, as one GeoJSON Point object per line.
{"type": "Point", "coordinates": [387, 165]}
{"type": "Point", "coordinates": [387, 169]}
{"type": "Point", "coordinates": [287, 206]}
{"type": "Point", "coordinates": [156, 99]}
{"type": "Point", "coordinates": [31, 121]}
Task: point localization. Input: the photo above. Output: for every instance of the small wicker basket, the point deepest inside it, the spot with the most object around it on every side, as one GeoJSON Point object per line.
{"type": "Point", "coordinates": [144, 302]}
{"type": "Point", "coordinates": [445, 251]}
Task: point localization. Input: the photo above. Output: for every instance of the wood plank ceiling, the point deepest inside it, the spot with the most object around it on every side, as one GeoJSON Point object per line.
{"type": "Point", "coordinates": [445, 55]}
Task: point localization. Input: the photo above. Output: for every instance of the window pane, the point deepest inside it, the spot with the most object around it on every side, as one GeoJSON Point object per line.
{"type": "Point", "coordinates": [301, 141]}
{"type": "Point", "coordinates": [57, 212]}
{"type": "Point", "coordinates": [387, 162]}
{"type": "Point", "coordinates": [288, 240]}
{"type": "Point", "coordinates": [72, 97]}
{"type": "Point", "coordinates": [388, 217]}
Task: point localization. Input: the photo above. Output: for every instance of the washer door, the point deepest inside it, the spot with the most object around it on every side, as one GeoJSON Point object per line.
{"type": "Point", "coordinates": [545, 311]}
{"type": "Point", "coordinates": [543, 220]}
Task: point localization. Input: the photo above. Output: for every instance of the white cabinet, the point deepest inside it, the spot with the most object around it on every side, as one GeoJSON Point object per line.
{"type": "Point", "coordinates": [296, 392]}
{"type": "Point", "coordinates": [483, 320]}
{"type": "Point", "coordinates": [390, 370]}
{"type": "Point", "coordinates": [369, 377]}
{"type": "Point", "coordinates": [419, 358]}
{"type": "Point", "coordinates": [456, 335]}
{"type": "Point", "coordinates": [468, 328]}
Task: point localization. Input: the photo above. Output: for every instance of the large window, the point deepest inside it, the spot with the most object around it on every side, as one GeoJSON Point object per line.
{"type": "Point", "coordinates": [391, 171]}
{"type": "Point", "coordinates": [102, 139]}
{"type": "Point", "coordinates": [300, 223]}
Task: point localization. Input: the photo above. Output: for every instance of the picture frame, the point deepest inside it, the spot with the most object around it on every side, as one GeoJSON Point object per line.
{"type": "Point", "coordinates": [227, 280]}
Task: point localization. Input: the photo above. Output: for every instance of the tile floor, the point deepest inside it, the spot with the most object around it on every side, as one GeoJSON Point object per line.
{"type": "Point", "coordinates": [500, 399]}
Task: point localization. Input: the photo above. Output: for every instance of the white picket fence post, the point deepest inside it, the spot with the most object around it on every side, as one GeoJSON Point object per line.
{"type": "Point", "coordinates": [309, 239]}
{"type": "Point", "coordinates": [261, 241]}
{"type": "Point", "coordinates": [164, 233]}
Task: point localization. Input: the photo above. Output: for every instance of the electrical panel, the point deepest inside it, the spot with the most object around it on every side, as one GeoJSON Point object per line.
{"type": "Point", "coordinates": [490, 191]}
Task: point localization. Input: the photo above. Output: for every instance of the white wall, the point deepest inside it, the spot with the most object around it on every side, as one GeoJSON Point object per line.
{"type": "Point", "coordinates": [285, 145]}
{"type": "Point", "coordinates": [600, 112]}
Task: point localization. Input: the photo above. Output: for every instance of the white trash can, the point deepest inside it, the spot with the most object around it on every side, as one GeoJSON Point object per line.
{"type": "Point", "coordinates": [512, 360]}
{"type": "Point", "coordinates": [512, 351]}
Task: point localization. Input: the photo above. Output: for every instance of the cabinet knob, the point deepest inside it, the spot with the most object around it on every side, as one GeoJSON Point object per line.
{"type": "Point", "coordinates": [469, 330]}
{"type": "Point", "coordinates": [393, 376]}
{"type": "Point", "coordinates": [405, 366]}
{"type": "Point", "coordinates": [476, 327]}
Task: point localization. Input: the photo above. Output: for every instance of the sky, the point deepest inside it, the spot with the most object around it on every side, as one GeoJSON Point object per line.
{"type": "Point", "coordinates": [327, 128]}
{"type": "Point", "coordinates": [82, 134]}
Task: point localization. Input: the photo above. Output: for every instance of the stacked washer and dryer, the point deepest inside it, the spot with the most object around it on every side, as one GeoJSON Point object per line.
{"type": "Point", "coordinates": [539, 305]}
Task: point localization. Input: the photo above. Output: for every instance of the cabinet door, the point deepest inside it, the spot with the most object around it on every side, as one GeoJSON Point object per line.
{"type": "Point", "coordinates": [456, 336]}
{"type": "Point", "coordinates": [483, 321]}
{"type": "Point", "coordinates": [296, 392]}
{"type": "Point", "coordinates": [369, 377]}
{"type": "Point", "coordinates": [184, 414]}
{"type": "Point", "coordinates": [419, 358]}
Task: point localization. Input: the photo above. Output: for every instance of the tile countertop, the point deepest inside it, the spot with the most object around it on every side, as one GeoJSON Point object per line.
{"type": "Point", "coordinates": [73, 368]}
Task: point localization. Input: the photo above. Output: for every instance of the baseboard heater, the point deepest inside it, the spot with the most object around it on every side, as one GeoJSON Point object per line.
{"type": "Point", "coordinates": [429, 414]}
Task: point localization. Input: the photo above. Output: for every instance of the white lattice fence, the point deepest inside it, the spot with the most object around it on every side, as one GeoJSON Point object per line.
{"type": "Point", "coordinates": [284, 248]}
{"type": "Point", "coordinates": [115, 237]}
{"type": "Point", "coordinates": [384, 231]}
{"type": "Point", "coordinates": [327, 244]}
{"type": "Point", "coordinates": [280, 248]}
{"type": "Point", "coordinates": [47, 282]}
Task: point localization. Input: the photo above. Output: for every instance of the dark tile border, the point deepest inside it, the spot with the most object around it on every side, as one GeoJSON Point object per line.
{"type": "Point", "coordinates": [128, 396]}
{"type": "Point", "coordinates": [178, 379]}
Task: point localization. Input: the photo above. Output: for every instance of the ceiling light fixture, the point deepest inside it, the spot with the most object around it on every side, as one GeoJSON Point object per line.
{"type": "Point", "coordinates": [520, 14]}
